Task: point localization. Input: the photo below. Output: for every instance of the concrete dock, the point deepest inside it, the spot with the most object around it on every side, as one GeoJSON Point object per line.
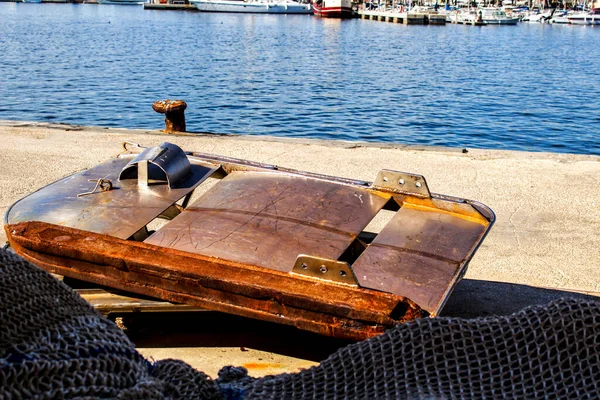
{"type": "Point", "coordinates": [545, 244]}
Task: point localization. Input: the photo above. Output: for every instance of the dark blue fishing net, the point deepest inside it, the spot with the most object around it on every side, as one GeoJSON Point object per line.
{"type": "Point", "coordinates": [54, 345]}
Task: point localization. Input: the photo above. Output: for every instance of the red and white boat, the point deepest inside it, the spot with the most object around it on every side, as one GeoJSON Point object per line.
{"type": "Point", "coordinates": [333, 8]}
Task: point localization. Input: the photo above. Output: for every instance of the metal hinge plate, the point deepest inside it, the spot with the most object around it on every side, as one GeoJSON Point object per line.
{"type": "Point", "coordinates": [325, 269]}
{"type": "Point", "coordinates": [401, 182]}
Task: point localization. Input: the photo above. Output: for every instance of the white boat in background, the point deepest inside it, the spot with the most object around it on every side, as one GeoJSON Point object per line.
{"type": "Point", "coordinates": [586, 18]}
{"type": "Point", "coordinates": [516, 12]}
{"type": "Point", "coordinates": [560, 17]}
{"type": "Point", "coordinates": [496, 16]}
{"type": "Point", "coordinates": [333, 8]}
{"type": "Point", "coordinates": [32, 1]}
{"type": "Point", "coordinates": [254, 6]}
{"type": "Point", "coordinates": [465, 17]}
{"type": "Point", "coordinates": [538, 17]}
{"type": "Point", "coordinates": [122, 2]}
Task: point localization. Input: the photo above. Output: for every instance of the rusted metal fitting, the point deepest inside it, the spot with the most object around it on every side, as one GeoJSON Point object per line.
{"type": "Point", "coordinates": [174, 114]}
{"type": "Point", "coordinates": [104, 184]}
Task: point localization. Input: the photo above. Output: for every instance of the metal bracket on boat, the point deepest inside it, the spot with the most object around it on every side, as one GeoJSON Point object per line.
{"type": "Point", "coordinates": [133, 145]}
{"type": "Point", "coordinates": [104, 184]}
{"type": "Point", "coordinates": [163, 162]}
{"type": "Point", "coordinates": [401, 182]}
{"type": "Point", "coordinates": [325, 269]}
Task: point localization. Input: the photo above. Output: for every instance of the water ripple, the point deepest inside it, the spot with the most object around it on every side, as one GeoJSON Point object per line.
{"type": "Point", "coordinates": [529, 87]}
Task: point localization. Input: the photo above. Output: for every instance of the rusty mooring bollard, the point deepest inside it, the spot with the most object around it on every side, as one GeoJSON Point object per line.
{"type": "Point", "coordinates": [174, 114]}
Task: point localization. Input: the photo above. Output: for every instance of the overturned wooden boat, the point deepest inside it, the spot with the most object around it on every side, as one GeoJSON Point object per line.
{"type": "Point", "coordinates": [261, 241]}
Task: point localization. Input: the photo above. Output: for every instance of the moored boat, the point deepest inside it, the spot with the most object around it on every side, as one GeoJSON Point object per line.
{"type": "Point", "coordinates": [560, 17]}
{"type": "Point", "coordinates": [496, 16]}
{"type": "Point", "coordinates": [333, 8]}
{"type": "Point", "coordinates": [465, 17]}
{"type": "Point", "coordinates": [253, 6]}
{"type": "Point", "coordinates": [516, 12]}
{"type": "Point", "coordinates": [591, 17]}
{"type": "Point", "coordinates": [538, 16]}
{"type": "Point", "coordinates": [122, 2]}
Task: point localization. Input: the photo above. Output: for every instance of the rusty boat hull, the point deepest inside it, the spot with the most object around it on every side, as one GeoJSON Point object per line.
{"type": "Point", "coordinates": [260, 241]}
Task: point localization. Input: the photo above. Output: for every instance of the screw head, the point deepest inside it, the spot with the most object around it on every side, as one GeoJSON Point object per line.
{"type": "Point", "coordinates": [304, 266]}
{"type": "Point", "coordinates": [418, 184]}
{"type": "Point", "coordinates": [342, 273]}
{"type": "Point", "coordinates": [323, 269]}
{"type": "Point", "coordinates": [401, 182]}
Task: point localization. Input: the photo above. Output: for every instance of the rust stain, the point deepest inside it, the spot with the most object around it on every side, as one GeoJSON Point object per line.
{"type": "Point", "coordinates": [255, 365]}
{"type": "Point", "coordinates": [221, 285]}
{"type": "Point", "coordinates": [463, 211]}
{"type": "Point", "coordinates": [174, 114]}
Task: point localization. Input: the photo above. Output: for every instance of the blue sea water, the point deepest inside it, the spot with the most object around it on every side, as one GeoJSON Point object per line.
{"type": "Point", "coordinates": [528, 87]}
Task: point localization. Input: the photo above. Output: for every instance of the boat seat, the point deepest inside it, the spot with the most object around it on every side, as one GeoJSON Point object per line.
{"type": "Point", "coordinates": [267, 219]}
{"type": "Point", "coordinates": [122, 211]}
{"type": "Point", "coordinates": [270, 219]}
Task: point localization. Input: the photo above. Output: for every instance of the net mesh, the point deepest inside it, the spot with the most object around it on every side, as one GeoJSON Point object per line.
{"type": "Point", "coordinates": [54, 345]}
{"type": "Point", "coordinates": [541, 352]}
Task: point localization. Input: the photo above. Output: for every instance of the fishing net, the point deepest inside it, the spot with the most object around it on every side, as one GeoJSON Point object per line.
{"type": "Point", "coordinates": [54, 345]}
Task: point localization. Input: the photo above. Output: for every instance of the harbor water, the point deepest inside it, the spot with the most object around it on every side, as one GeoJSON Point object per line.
{"type": "Point", "coordinates": [528, 87]}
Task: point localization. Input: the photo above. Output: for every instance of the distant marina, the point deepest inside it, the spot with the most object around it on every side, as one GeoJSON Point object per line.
{"type": "Point", "coordinates": [408, 12]}
{"type": "Point", "coordinates": [530, 86]}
